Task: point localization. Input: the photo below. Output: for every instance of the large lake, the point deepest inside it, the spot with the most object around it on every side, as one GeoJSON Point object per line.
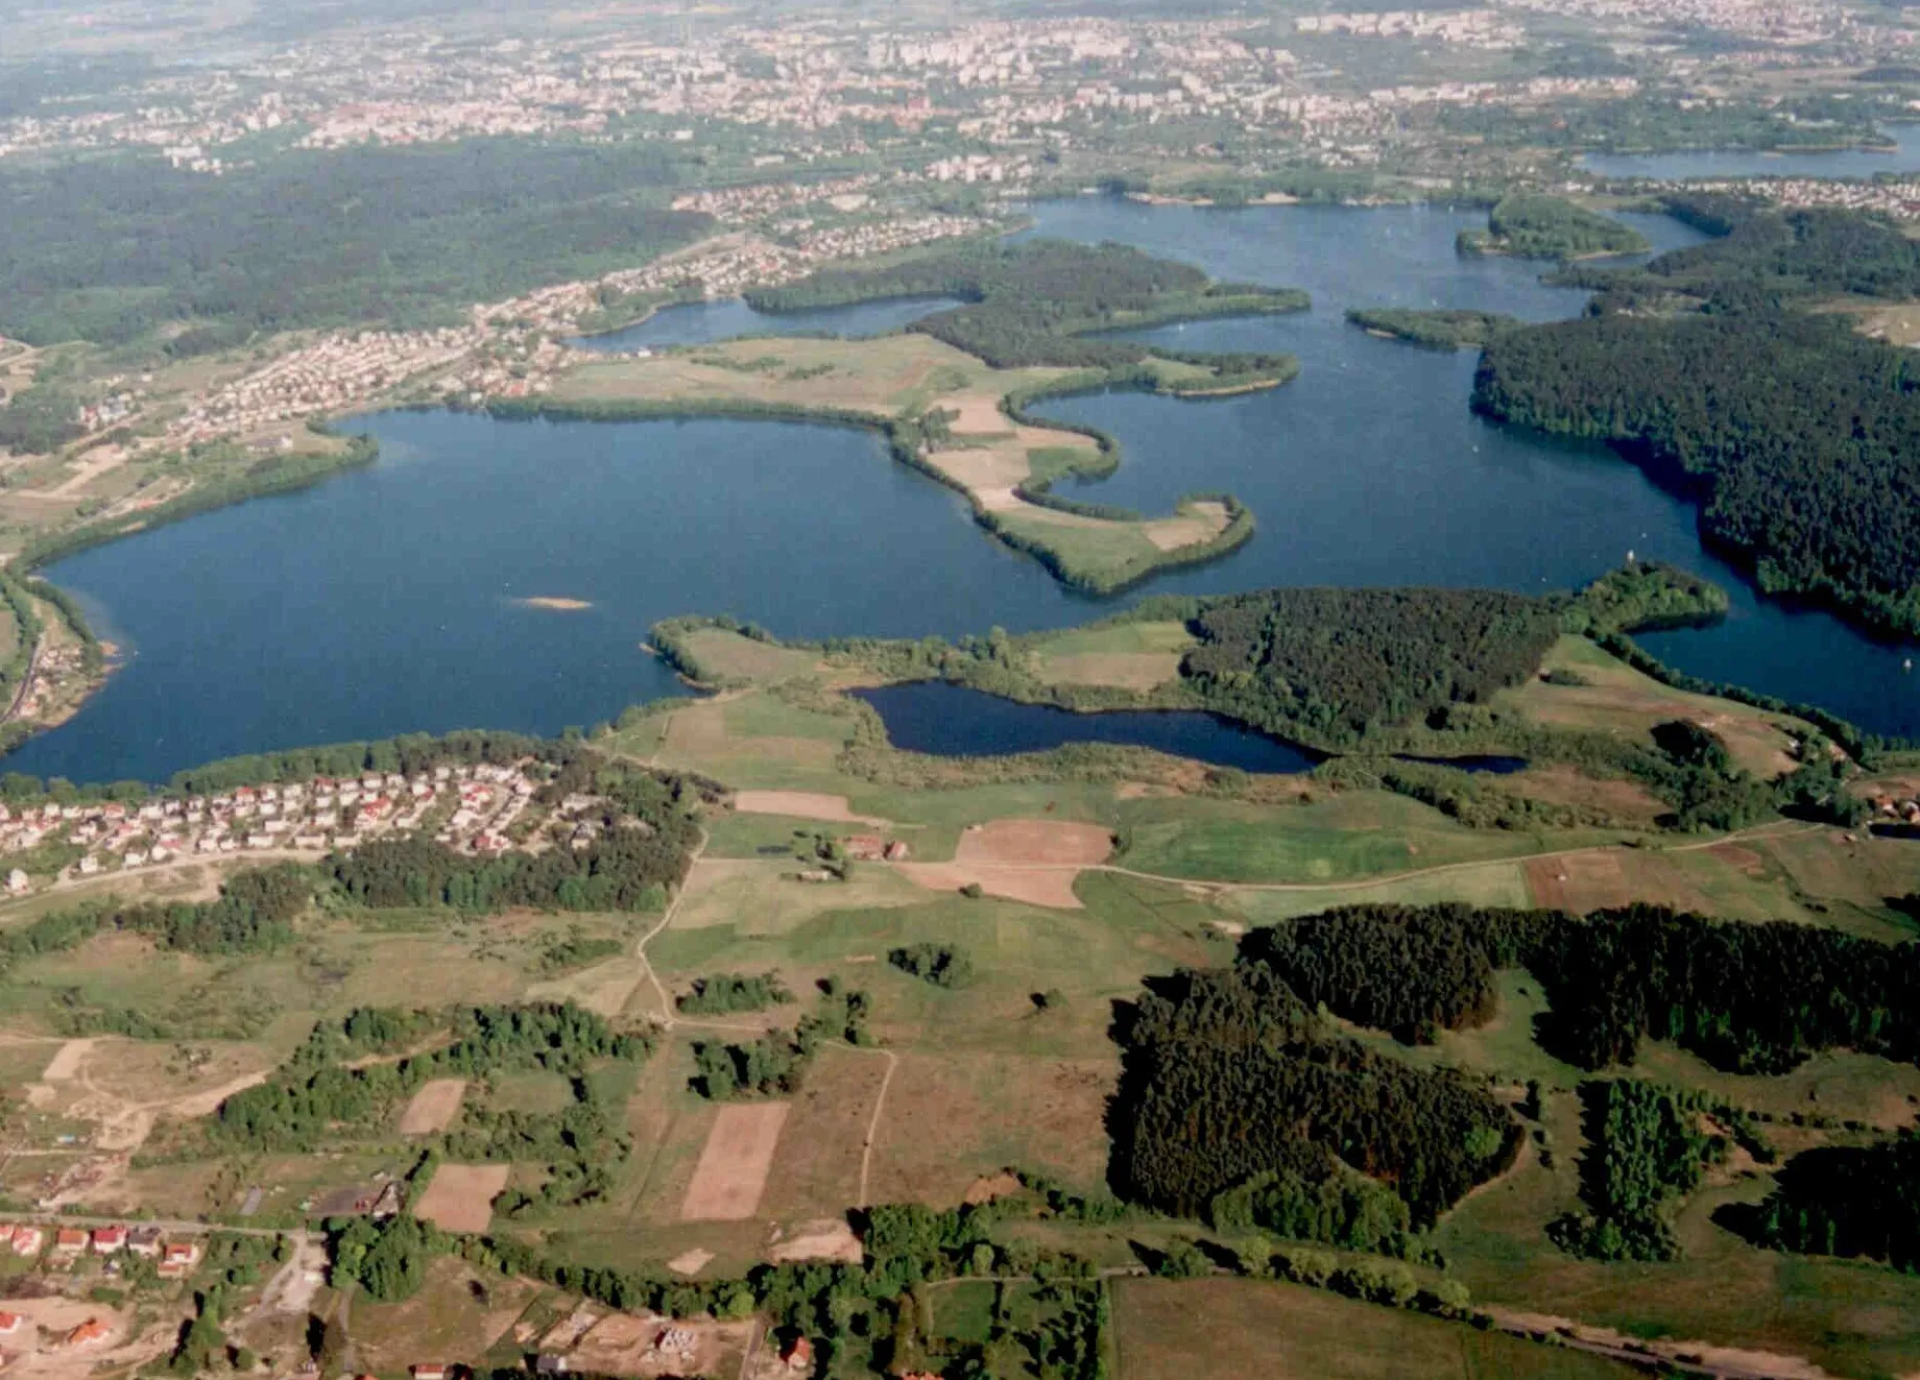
{"type": "Point", "coordinates": [385, 600]}
{"type": "Point", "coordinates": [1903, 158]}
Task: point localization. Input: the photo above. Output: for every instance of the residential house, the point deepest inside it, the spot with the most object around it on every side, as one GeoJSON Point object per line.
{"type": "Point", "coordinates": [797, 1354]}
{"type": "Point", "coordinates": [145, 1242]}
{"type": "Point", "coordinates": [10, 1324]}
{"type": "Point", "coordinates": [108, 1240]}
{"type": "Point", "coordinates": [28, 1240]}
{"type": "Point", "coordinates": [89, 1333]}
{"type": "Point", "coordinates": [69, 1242]}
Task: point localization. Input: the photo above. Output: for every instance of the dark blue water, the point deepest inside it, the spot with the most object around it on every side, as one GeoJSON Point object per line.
{"type": "Point", "coordinates": [703, 323]}
{"type": "Point", "coordinates": [383, 601]}
{"type": "Point", "coordinates": [945, 720]}
{"type": "Point", "coordinates": [1707, 163]}
{"type": "Point", "coordinates": [950, 721]}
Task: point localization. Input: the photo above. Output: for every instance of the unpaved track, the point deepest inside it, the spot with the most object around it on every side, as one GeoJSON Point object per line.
{"type": "Point", "coordinates": [669, 1018]}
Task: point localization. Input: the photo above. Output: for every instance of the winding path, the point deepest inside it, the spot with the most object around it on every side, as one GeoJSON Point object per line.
{"type": "Point", "coordinates": [669, 1018]}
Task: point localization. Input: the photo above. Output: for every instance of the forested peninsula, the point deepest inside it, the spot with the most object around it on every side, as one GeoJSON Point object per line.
{"type": "Point", "coordinates": [1532, 225]}
{"type": "Point", "coordinates": [1036, 303]}
{"type": "Point", "coordinates": [1707, 367]}
{"type": "Point", "coordinates": [1441, 329]}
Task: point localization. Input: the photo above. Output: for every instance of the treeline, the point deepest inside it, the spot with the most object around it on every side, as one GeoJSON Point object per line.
{"type": "Point", "coordinates": [625, 869]}
{"type": "Point", "coordinates": [315, 1096]}
{"type": "Point", "coordinates": [112, 249]}
{"type": "Point", "coordinates": [1330, 664]}
{"type": "Point", "coordinates": [1533, 225]}
{"type": "Point", "coordinates": [1228, 1078]}
{"type": "Point", "coordinates": [1032, 303]}
{"type": "Point", "coordinates": [729, 992]}
{"type": "Point", "coordinates": [1434, 330]}
{"type": "Point", "coordinates": [1646, 1151]}
{"type": "Point", "coordinates": [1844, 1200]}
{"type": "Point", "coordinates": [254, 913]}
{"type": "Point", "coordinates": [1748, 997]}
{"type": "Point", "coordinates": [777, 1062]}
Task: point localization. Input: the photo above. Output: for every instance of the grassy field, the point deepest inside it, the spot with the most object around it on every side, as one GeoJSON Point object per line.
{"type": "Point", "coordinates": [1329, 838]}
{"type": "Point", "coordinates": [1620, 700]}
{"type": "Point", "coordinates": [1202, 1329]}
{"type": "Point", "coordinates": [1131, 656]}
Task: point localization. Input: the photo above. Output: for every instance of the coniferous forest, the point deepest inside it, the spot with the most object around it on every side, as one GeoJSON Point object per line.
{"type": "Point", "coordinates": [1802, 436]}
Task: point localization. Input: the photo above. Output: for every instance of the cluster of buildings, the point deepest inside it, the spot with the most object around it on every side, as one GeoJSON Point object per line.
{"type": "Point", "coordinates": [337, 371]}
{"type": "Point", "coordinates": [175, 1257]}
{"type": "Point", "coordinates": [1899, 200]}
{"type": "Point", "coordinates": [1469, 28]}
{"type": "Point", "coordinates": [1769, 21]}
{"type": "Point", "coordinates": [741, 205]}
{"type": "Point", "coordinates": [471, 809]}
{"type": "Point", "coordinates": [514, 348]}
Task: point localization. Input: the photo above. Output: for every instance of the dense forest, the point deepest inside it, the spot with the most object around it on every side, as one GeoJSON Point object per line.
{"type": "Point", "coordinates": [1230, 1082]}
{"type": "Point", "coordinates": [1748, 997]}
{"type": "Point", "coordinates": [1802, 436]}
{"type": "Point", "coordinates": [1646, 1151]}
{"type": "Point", "coordinates": [1844, 1200]}
{"type": "Point", "coordinates": [1035, 302]}
{"type": "Point", "coordinates": [1532, 225]}
{"type": "Point", "coordinates": [1441, 329]}
{"type": "Point", "coordinates": [1329, 664]}
{"type": "Point", "coordinates": [110, 249]}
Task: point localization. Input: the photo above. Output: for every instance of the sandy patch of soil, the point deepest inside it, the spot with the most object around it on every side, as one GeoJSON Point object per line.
{"type": "Point", "coordinates": [992, 1188]}
{"type": "Point", "coordinates": [66, 1062]}
{"type": "Point", "coordinates": [690, 1263]}
{"type": "Point", "coordinates": [1202, 521]}
{"type": "Point", "coordinates": [734, 1163]}
{"type": "Point", "coordinates": [1050, 841]}
{"type": "Point", "coordinates": [434, 1107]}
{"type": "Point", "coordinates": [553, 604]}
{"type": "Point", "coordinates": [41, 1346]}
{"type": "Point", "coordinates": [985, 470]}
{"type": "Point", "coordinates": [834, 809]}
{"type": "Point", "coordinates": [830, 1239]}
{"type": "Point", "coordinates": [623, 1344]}
{"type": "Point", "coordinates": [1052, 886]}
{"type": "Point", "coordinates": [980, 415]}
{"type": "Point", "coordinates": [460, 1198]}
{"type": "Point", "coordinates": [1768, 1363]}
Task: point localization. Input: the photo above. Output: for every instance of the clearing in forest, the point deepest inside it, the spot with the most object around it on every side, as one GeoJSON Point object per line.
{"type": "Point", "coordinates": [433, 1108]}
{"type": "Point", "coordinates": [460, 1198]}
{"type": "Point", "coordinates": [734, 1163]}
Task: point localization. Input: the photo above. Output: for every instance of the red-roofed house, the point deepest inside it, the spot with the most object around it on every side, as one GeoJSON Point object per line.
{"type": "Point", "coordinates": [88, 1333]}
{"type": "Point", "coordinates": [797, 1354]}
{"type": "Point", "coordinates": [107, 1240]}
